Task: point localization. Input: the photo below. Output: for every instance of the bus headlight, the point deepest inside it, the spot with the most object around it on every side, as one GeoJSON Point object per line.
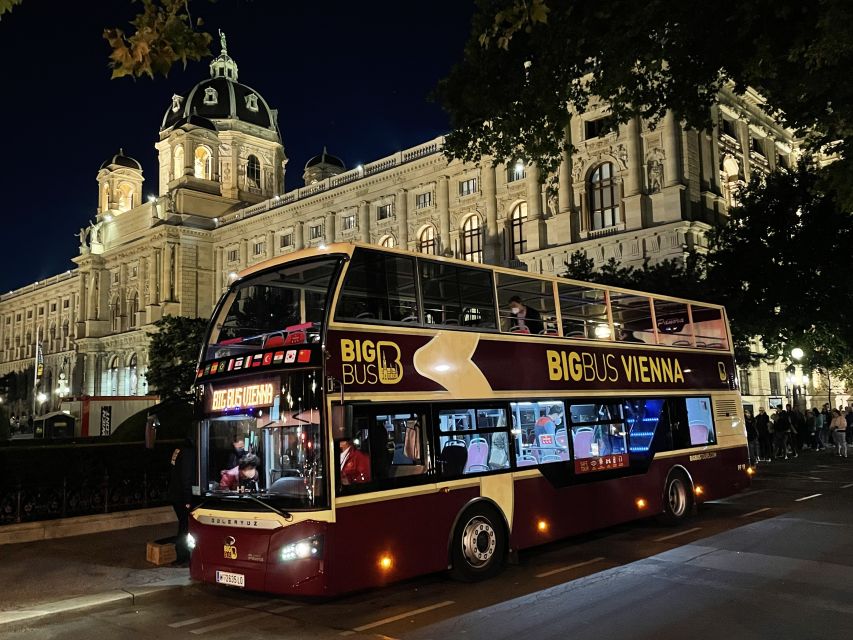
{"type": "Point", "coordinates": [301, 549]}
{"type": "Point", "coordinates": [190, 541]}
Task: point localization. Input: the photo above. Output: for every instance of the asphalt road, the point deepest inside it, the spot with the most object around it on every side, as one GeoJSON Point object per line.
{"type": "Point", "coordinates": [773, 562]}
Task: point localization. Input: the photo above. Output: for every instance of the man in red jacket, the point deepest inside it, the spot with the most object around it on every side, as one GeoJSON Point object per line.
{"type": "Point", "coordinates": [355, 464]}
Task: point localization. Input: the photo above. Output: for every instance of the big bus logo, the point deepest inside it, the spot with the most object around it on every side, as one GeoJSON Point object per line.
{"type": "Point", "coordinates": [368, 362]}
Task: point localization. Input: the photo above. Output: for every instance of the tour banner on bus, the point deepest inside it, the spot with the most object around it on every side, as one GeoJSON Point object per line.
{"type": "Point", "coordinates": [468, 364]}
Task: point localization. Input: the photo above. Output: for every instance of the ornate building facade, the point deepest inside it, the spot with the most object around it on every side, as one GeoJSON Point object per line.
{"type": "Point", "coordinates": [634, 193]}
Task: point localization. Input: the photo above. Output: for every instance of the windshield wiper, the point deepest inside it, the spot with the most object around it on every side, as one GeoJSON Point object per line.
{"type": "Point", "coordinates": [284, 514]}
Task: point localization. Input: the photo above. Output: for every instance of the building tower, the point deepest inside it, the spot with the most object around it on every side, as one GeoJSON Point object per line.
{"type": "Point", "coordinates": [119, 185]}
{"type": "Point", "coordinates": [321, 167]}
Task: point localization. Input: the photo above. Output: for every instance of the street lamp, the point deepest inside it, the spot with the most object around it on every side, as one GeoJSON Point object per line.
{"type": "Point", "coordinates": [797, 354]}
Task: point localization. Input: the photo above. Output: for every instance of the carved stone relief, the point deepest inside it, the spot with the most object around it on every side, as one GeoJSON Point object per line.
{"type": "Point", "coordinates": [654, 169]}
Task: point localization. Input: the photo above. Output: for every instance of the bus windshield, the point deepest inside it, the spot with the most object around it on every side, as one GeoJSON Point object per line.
{"type": "Point", "coordinates": [274, 308]}
{"type": "Point", "coordinates": [272, 449]}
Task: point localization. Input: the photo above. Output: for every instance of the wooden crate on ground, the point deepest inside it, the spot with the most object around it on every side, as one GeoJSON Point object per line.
{"type": "Point", "coordinates": [161, 552]}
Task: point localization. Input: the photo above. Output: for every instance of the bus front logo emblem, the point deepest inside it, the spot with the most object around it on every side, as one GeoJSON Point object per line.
{"type": "Point", "coordinates": [230, 548]}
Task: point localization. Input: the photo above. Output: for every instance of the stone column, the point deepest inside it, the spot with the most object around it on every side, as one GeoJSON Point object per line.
{"type": "Point", "coordinates": [92, 297]}
{"type": "Point", "coordinates": [90, 383]}
{"type": "Point", "coordinates": [329, 228]}
{"type": "Point", "coordinates": [165, 282]}
{"type": "Point", "coordinates": [492, 253]}
{"type": "Point", "coordinates": [153, 282]}
{"type": "Point", "coordinates": [672, 159]}
{"type": "Point", "coordinates": [564, 194]}
{"type": "Point", "coordinates": [632, 185]}
{"type": "Point", "coordinates": [364, 221]}
{"type": "Point", "coordinates": [534, 228]}
{"type": "Point", "coordinates": [401, 210]}
{"type": "Point", "coordinates": [442, 198]}
{"type": "Point", "coordinates": [298, 234]}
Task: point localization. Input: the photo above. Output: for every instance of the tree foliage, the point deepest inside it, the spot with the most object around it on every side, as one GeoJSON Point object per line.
{"type": "Point", "coordinates": [6, 6]}
{"type": "Point", "coordinates": [526, 60]}
{"type": "Point", "coordinates": [780, 265]}
{"type": "Point", "coordinates": [161, 35]}
{"type": "Point", "coordinates": [173, 355]}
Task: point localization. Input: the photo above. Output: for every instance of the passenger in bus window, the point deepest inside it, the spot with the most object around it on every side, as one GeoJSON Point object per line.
{"type": "Point", "coordinates": [548, 424]}
{"type": "Point", "coordinates": [238, 450]}
{"type": "Point", "coordinates": [355, 465]}
{"type": "Point", "coordinates": [243, 477]}
{"type": "Point", "coordinates": [525, 319]}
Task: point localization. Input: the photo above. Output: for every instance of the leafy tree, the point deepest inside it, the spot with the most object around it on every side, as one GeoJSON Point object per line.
{"type": "Point", "coordinates": [173, 354]}
{"type": "Point", "coordinates": [7, 5]}
{"type": "Point", "coordinates": [527, 60]}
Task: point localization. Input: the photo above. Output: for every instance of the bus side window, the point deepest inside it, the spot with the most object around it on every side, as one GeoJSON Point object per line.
{"type": "Point", "coordinates": [526, 305]}
{"type": "Point", "coordinates": [472, 441]}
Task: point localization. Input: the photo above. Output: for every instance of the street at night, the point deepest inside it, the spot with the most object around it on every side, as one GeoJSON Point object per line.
{"type": "Point", "coordinates": [774, 561]}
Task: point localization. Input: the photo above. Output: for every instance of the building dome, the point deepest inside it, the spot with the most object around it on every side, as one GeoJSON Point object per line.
{"type": "Point", "coordinates": [325, 158]}
{"type": "Point", "coordinates": [121, 160]}
{"type": "Point", "coordinates": [196, 121]}
{"type": "Point", "coordinates": [221, 97]}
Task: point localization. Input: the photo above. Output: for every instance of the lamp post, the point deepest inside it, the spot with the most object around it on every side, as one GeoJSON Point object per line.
{"type": "Point", "coordinates": [797, 379]}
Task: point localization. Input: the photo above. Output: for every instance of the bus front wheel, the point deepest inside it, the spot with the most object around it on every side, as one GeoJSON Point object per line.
{"type": "Point", "coordinates": [677, 498]}
{"type": "Point", "coordinates": [479, 544]}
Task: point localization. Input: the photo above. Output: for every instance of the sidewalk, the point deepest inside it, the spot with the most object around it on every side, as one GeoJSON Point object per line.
{"type": "Point", "coordinates": [53, 576]}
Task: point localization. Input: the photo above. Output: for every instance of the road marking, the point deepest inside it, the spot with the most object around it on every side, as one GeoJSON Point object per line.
{"type": "Point", "coordinates": [230, 623]}
{"type": "Point", "coordinates": [741, 495]}
{"type": "Point", "coordinates": [814, 495]}
{"type": "Point", "coordinates": [222, 614]}
{"type": "Point", "coordinates": [757, 511]}
{"type": "Point", "coordinates": [569, 568]}
{"type": "Point", "coordinates": [675, 535]}
{"type": "Point", "coordinates": [287, 607]}
{"type": "Point", "coordinates": [414, 612]}
{"type": "Point", "coordinates": [847, 486]}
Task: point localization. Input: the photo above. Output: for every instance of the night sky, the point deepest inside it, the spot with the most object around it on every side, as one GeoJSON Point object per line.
{"type": "Point", "coordinates": [354, 76]}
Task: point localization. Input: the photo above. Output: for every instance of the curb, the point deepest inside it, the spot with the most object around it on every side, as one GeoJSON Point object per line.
{"type": "Point", "coordinates": [81, 603]}
{"type": "Point", "coordinates": [82, 525]}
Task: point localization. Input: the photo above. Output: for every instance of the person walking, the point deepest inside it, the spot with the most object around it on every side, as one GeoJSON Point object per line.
{"type": "Point", "coordinates": [781, 429]}
{"type": "Point", "coordinates": [180, 491]}
{"type": "Point", "coordinates": [820, 429]}
{"type": "Point", "coordinates": [838, 428]}
{"type": "Point", "coordinates": [848, 416]}
{"type": "Point", "coordinates": [751, 437]}
{"type": "Point", "coordinates": [765, 438]}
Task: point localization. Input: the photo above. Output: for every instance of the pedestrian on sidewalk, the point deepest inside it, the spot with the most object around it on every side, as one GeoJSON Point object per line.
{"type": "Point", "coordinates": [820, 429]}
{"type": "Point", "coordinates": [848, 416]}
{"type": "Point", "coordinates": [751, 437]}
{"type": "Point", "coordinates": [781, 427]}
{"type": "Point", "coordinates": [838, 427]}
{"type": "Point", "coordinates": [765, 438]}
{"type": "Point", "coordinates": [181, 474]}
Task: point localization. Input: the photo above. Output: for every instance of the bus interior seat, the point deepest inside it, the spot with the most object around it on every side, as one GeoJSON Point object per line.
{"type": "Point", "coordinates": [453, 458]}
{"type": "Point", "coordinates": [550, 457]}
{"type": "Point", "coordinates": [583, 441]}
{"type": "Point", "coordinates": [477, 468]}
{"type": "Point", "coordinates": [478, 453]}
{"type": "Point", "coordinates": [294, 487]}
{"type": "Point", "coordinates": [699, 433]}
{"type": "Point", "coordinates": [274, 340]}
{"type": "Point", "coordinates": [526, 460]}
{"type": "Point", "coordinates": [561, 437]}
{"type": "Point", "coordinates": [410, 318]}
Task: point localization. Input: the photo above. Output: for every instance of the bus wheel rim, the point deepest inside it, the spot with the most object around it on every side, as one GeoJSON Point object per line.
{"type": "Point", "coordinates": [677, 497]}
{"type": "Point", "coordinates": [479, 542]}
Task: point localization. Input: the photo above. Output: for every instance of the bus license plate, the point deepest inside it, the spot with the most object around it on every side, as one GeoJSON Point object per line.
{"type": "Point", "coordinates": [231, 579]}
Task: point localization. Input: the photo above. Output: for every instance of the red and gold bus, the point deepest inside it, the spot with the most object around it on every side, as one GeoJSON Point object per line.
{"type": "Point", "coordinates": [368, 415]}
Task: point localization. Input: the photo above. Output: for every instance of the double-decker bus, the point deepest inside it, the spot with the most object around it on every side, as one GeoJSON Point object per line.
{"type": "Point", "coordinates": [369, 414]}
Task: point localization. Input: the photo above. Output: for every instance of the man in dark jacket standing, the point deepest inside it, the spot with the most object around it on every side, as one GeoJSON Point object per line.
{"type": "Point", "coordinates": [181, 476]}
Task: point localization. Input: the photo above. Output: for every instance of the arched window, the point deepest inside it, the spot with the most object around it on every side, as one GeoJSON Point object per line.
{"type": "Point", "coordinates": [388, 242]}
{"type": "Point", "coordinates": [132, 378]}
{"type": "Point", "coordinates": [105, 203]}
{"type": "Point", "coordinates": [603, 200]}
{"type": "Point", "coordinates": [472, 239]}
{"type": "Point", "coordinates": [253, 172]}
{"type": "Point", "coordinates": [125, 196]}
{"type": "Point", "coordinates": [427, 242]}
{"type": "Point", "coordinates": [203, 163]}
{"type": "Point", "coordinates": [132, 309]}
{"type": "Point", "coordinates": [112, 377]}
{"type": "Point", "coordinates": [518, 243]}
{"type": "Point", "coordinates": [178, 167]}
{"type": "Point", "coordinates": [731, 181]}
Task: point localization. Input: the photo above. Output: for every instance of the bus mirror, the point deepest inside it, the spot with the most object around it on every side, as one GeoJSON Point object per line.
{"type": "Point", "coordinates": [151, 425]}
{"type": "Point", "coordinates": [342, 422]}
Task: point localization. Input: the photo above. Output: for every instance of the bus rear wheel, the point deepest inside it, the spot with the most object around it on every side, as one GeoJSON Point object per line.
{"type": "Point", "coordinates": [677, 499]}
{"type": "Point", "coordinates": [479, 545]}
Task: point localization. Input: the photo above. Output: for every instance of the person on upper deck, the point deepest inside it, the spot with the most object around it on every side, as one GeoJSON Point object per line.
{"type": "Point", "coordinates": [525, 319]}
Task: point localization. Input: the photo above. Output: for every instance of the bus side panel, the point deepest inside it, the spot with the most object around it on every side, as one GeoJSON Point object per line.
{"type": "Point", "coordinates": [412, 531]}
{"type": "Point", "coordinates": [544, 513]}
{"type": "Point", "coordinates": [720, 476]}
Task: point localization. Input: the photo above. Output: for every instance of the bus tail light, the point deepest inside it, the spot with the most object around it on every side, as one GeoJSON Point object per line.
{"type": "Point", "coordinates": [698, 490]}
{"type": "Point", "coordinates": [542, 526]}
{"type": "Point", "coordinates": [641, 503]}
{"type": "Point", "coordinates": [301, 549]}
{"type": "Point", "coordinates": [386, 562]}
{"type": "Point", "coordinates": [750, 471]}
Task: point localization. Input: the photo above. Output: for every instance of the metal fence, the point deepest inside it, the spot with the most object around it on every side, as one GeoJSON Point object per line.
{"type": "Point", "coordinates": [64, 480]}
